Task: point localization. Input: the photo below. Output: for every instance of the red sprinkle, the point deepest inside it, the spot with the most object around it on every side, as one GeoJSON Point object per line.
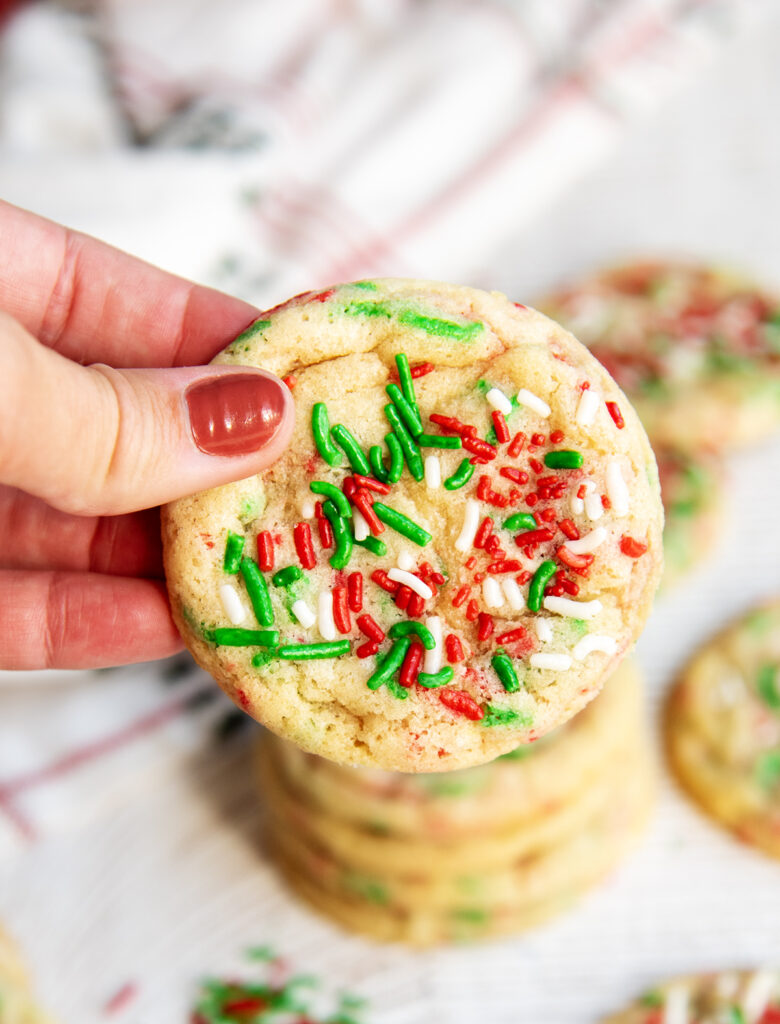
{"type": "Point", "coordinates": [410, 668]}
{"type": "Point", "coordinates": [325, 532]}
{"type": "Point", "coordinates": [632, 548]}
{"type": "Point", "coordinates": [484, 531]}
{"type": "Point", "coordinates": [453, 648]}
{"type": "Point", "coordinates": [367, 649]}
{"type": "Point", "coordinates": [483, 487]}
{"type": "Point", "coordinates": [573, 561]}
{"type": "Point", "coordinates": [570, 587]}
{"type": "Point", "coordinates": [606, 503]}
{"type": "Point", "coordinates": [121, 999]}
{"type": "Point", "coordinates": [252, 1004]}
{"type": "Point", "coordinates": [403, 597]}
{"type": "Point", "coordinates": [453, 426]}
{"type": "Point", "coordinates": [581, 491]}
{"type": "Point", "coordinates": [461, 595]}
{"type": "Point", "coordinates": [380, 577]}
{"type": "Point", "coordinates": [569, 528]}
{"type": "Point", "coordinates": [557, 436]}
{"type": "Point", "coordinates": [461, 703]}
{"type": "Point", "coordinates": [370, 628]}
{"type": "Point", "coordinates": [363, 501]}
{"type": "Point", "coordinates": [340, 610]}
{"type": "Point", "coordinates": [479, 577]}
{"type": "Point", "coordinates": [355, 591]}
{"type": "Point", "coordinates": [614, 411]}
{"type": "Point", "coordinates": [536, 465]}
{"type": "Point", "coordinates": [415, 607]}
{"type": "Point", "coordinates": [524, 577]}
{"type": "Point", "coordinates": [518, 475]}
{"type": "Point", "coordinates": [485, 626]}
{"type": "Point", "coordinates": [493, 542]}
{"type": "Point", "coordinates": [421, 370]}
{"type": "Point", "coordinates": [265, 551]}
{"type": "Point", "coordinates": [470, 562]}
{"type": "Point", "coordinates": [479, 447]}
{"type": "Point", "coordinates": [512, 636]}
{"type": "Point", "coordinates": [289, 381]}
{"type": "Point", "coordinates": [530, 537]}
{"type": "Point", "coordinates": [371, 484]}
{"type": "Point", "coordinates": [303, 545]}
{"type": "Point", "coordinates": [499, 423]}
{"type": "Point", "coordinates": [531, 499]}
{"type": "Point", "coordinates": [508, 565]}
{"type": "Point", "coordinates": [437, 578]}
{"type": "Point", "coordinates": [349, 486]}
{"type": "Point", "coordinates": [537, 439]}
{"type": "Point", "coordinates": [472, 610]}
{"type": "Point", "coordinates": [517, 444]}
{"type": "Point", "coordinates": [548, 515]}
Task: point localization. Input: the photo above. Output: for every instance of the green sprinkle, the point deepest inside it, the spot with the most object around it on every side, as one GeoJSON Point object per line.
{"type": "Point", "coordinates": [438, 441]}
{"type": "Point", "coordinates": [234, 545]}
{"type": "Point", "coordinates": [232, 637]}
{"type": "Point", "coordinates": [366, 286]}
{"type": "Point", "coordinates": [355, 454]}
{"type": "Point", "coordinates": [735, 1016]}
{"type": "Point", "coordinates": [542, 577]}
{"type": "Point", "coordinates": [442, 328]}
{"type": "Point", "coordinates": [251, 332]}
{"type": "Point", "coordinates": [287, 576]}
{"type": "Point", "coordinates": [563, 460]}
{"type": "Point", "coordinates": [262, 658]}
{"type": "Point", "coordinates": [374, 545]}
{"type": "Point", "coordinates": [342, 536]}
{"type": "Point", "coordinates": [397, 690]}
{"type": "Point", "coordinates": [508, 716]}
{"type": "Point", "coordinates": [767, 686]}
{"type": "Point", "coordinates": [432, 680]}
{"type": "Point", "coordinates": [411, 451]}
{"type": "Point", "coordinates": [652, 1000]}
{"type": "Point", "coordinates": [377, 463]}
{"type": "Point", "coordinates": [768, 769]}
{"type": "Point", "coordinates": [337, 496]}
{"type": "Point", "coordinates": [390, 664]}
{"type": "Point", "coordinates": [406, 410]}
{"type": "Point", "coordinates": [401, 524]}
{"type": "Point", "coordinates": [257, 589]}
{"type": "Point", "coordinates": [471, 915]}
{"type": "Point", "coordinates": [461, 476]}
{"type": "Point", "coordinates": [520, 521]}
{"type": "Point", "coordinates": [311, 652]}
{"type": "Point", "coordinates": [392, 475]}
{"type": "Point", "coordinates": [320, 427]}
{"type": "Point", "coordinates": [368, 309]}
{"type": "Point", "coordinates": [406, 380]}
{"type": "Point", "coordinates": [422, 631]}
{"type": "Point", "coordinates": [505, 671]}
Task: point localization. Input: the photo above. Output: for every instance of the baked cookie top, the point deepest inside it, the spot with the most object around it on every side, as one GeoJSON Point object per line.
{"type": "Point", "coordinates": [696, 349]}
{"type": "Point", "coordinates": [458, 548]}
{"type": "Point", "coordinates": [727, 997]}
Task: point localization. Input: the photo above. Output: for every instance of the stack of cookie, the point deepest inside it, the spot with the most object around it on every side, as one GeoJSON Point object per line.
{"type": "Point", "coordinates": [16, 1001]}
{"type": "Point", "coordinates": [428, 859]}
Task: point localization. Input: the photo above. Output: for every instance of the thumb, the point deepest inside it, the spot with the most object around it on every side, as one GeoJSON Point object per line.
{"type": "Point", "coordinates": [93, 440]}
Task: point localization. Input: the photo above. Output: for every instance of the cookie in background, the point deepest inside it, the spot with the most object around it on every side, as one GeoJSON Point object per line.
{"type": "Point", "coordinates": [17, 1005]}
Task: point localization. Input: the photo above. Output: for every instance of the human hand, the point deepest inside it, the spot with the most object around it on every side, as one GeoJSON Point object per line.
{"type": "Point", "coordinates": [88, 446]}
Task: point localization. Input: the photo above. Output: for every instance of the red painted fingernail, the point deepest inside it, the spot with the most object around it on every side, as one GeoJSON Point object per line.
{"type": "Point", "coordinates": [235, 414]}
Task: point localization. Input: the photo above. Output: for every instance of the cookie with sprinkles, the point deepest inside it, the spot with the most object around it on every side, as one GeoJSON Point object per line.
{"type": "Point", "coordinates": [515, 790]}
{"type": "Point", "coordinates": [723, 728]}
{"type": "Point", "coordinates": [695, 348]}
{"type": "Point", "coordinates": [459, 547]}
{"type": "Point", "coordinates": [692, 487]}
{"type": "Point", "coordinates": [724, 997]}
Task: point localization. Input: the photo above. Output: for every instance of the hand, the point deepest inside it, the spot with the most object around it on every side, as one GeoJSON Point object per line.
{"type": "Point", "coordinates": [87, 446]}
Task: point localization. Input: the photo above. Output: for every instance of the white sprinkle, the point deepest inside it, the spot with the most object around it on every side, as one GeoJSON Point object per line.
{"type": "Point", "coordinates": [307, 509]}
{"type": "Point", "coordinates": [470, 526]}
{"type": "Point", "coordinates": [432, 658]}
{"type": "Point", "coordinates": [577, 505]}
{"type": "Point", "coordinates": [594, 642]}
{"type": "Point", "coordinates": [432, 472]}
{"type": "Point", "coordinates": [588, 543]}
{"type": "Point", "coordinates": [514, 594]}
{"type": "Point", "coordinates": [572, 609]}
{"type": "Point", "coordinates": [533, 402]}
{"type": "Point", "coordinates": [408, 579]}
{"type": "Point", "coordinates": [232, 603]}
{"type": "Point", "coordinates": [555, 662]}
{"type": "Point", "coordinates": [499, 401]}
{"type": "Point", "coordinates": [303, 614]}
{"type": "Point", "coordinates": [617, 490]}
{"type": "Point", "coordinates": [761, 986]}
{"type": "Point", "coordinates": [491, 591]}
{"type": "Point", "coordinates": [543, 629]}
{"type": "Point", "coordinates": [359, 524]}
{"type": "Point", "coordinates": [587, 407]}
{"type": "Point", "coordinates": [325, 623]}
{"type": "Point", "coordinates": [594, 507]}
{"type": "Point", "coordinates": [676, 1008]}
{"type": "Point", "coordinates": [406, 560]}
{"type": "Point", "coordinates": [727, 984]}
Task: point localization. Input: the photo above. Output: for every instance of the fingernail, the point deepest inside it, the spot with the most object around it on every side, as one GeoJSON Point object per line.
{"type": "Point", "coordinates": [235, 414]}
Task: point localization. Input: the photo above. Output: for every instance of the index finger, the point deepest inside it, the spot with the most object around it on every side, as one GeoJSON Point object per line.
{"type": "Point", "coordinates": [93, 303]}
